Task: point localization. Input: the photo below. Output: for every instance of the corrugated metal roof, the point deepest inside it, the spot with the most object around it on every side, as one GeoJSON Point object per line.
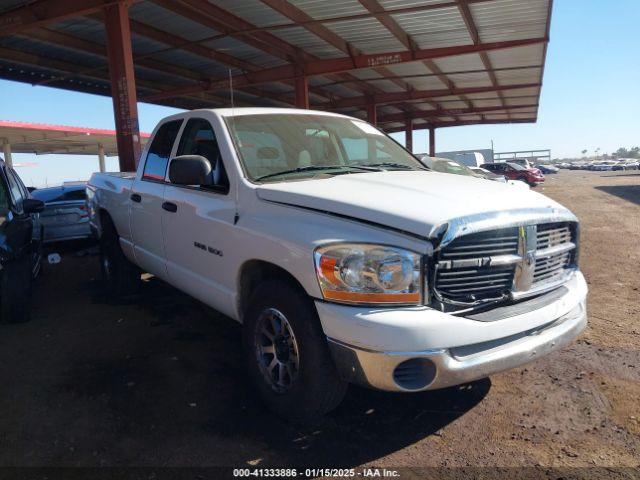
{"type": "Point", "coordinates": [367, 35]}
{"type": "Point", "coordinates": [167, 21]}
{"type": "Point", "coordinates": [310, 43]}
{"type": "Point", "coordinates": [440, 27]}
{"type": "Point", "coordinates": [510, 19]}
{"type": "Point", "coordinates": [195, 47]}
{"type": "Point", "coordinates": [322, 9]}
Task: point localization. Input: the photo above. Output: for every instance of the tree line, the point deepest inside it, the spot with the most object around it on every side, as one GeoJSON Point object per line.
{"type": "Point", "coordinates": [633, 152]}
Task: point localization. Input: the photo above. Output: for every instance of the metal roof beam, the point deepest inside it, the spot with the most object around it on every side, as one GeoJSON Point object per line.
{"type": "Point", "coordinates": [378, 11]}
{"type": "Point", "coordinates": [30, 59]}
{"type": "Point", "coordinates": [401, 117]}
{"type": "Point", "coordinates": [460, 123]}
{"type": "Point", "coordinates": [292, 12]}
{"type": "Point", "coordinates": [45, 12]}
{"type": "Point", "coordinates": [221, 20]}
{"type": "Point", "coordinates": [344, 64]}
{"type": "Point", "coordinates": [395, 97]}
{"type": "Point", "coordinates": [465, 11]}
{"type": "Point", "coordinates": [214, 17]}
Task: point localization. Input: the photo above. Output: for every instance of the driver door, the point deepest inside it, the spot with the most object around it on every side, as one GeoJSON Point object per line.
{"type": "Point", "coordinates": [198, 223]}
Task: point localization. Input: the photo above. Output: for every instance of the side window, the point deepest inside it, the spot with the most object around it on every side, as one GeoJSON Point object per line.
{"type": "Point", "coordinates": [155, 167]}
{"type": "Point", "coordinates": [5, 204]}
{"type": "Point", "coordinates": [16, 192]}
{"type": "Point", "coordinates": [198, 138]}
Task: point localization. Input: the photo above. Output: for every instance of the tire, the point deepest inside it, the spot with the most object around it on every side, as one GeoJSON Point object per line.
{"type": "Point", "coordinates": [523, 179]}
{"type": "Point", "coordinates": [120, 277]}
{"type": "Point", "coordinates": [310, 385]}
{"type": "Point", "coordinates": [15, 291]}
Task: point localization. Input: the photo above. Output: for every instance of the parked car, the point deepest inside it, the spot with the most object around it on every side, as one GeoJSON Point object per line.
{"type": "Point", "coordinates": [603, 166]}
{"type": "Point", "coordinates": [65, 215]}
{"type": "Point", "coordinates": [513, 171]}
{"type": "Point", "coordinates": [20, 245]}
{"type": "Point", "coordinates": [523, 162]}
{"type": "Point", "coordinates": [489, 175]}
{"type": "Point", "coordinates": [445, 165]}
{"type": "Point", "coordinates": [344, 258]}
{"type": "Point", "coordinates": [547, 169]}
{"type": "Point", "coordinates": [632, 164]}
{"type": "Point", "coordinates": [619, 166]}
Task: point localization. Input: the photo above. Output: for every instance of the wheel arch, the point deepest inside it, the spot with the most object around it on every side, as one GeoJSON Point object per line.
{"type": "Point", "coordinates": [104, 219]}
{"type": "Point", "coordinates": [255, 271]}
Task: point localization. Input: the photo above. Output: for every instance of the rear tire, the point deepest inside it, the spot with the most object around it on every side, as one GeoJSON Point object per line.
{"type": "Point", "coordinates": [15, 291]}
{"type": "Point", "coordinates": [287, 356]}
{"type": "Point", "coordinates": [120, 277]}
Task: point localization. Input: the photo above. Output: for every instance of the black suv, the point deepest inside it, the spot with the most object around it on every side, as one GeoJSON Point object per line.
{"type": "Point", "coordinates": [20, 245]}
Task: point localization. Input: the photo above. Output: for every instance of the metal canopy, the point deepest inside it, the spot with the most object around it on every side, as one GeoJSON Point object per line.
{"type": "Point", "coordinates": [411, 64]}
{"type": "Point", "coordinates": [44, 139]}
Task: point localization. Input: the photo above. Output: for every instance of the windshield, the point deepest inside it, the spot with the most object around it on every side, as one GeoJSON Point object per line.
{"type": "Point", "coordinates": [279, 147]}
{"type": "Point", "coordinates": [516, 166]}
{"type": "Point", "coordinates": [60, 194]}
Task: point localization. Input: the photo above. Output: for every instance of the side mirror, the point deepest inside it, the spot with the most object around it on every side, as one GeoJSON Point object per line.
{"type": "Point", "coordinates": [190, 170]}
{"type": "Point", "coordinates": [31, 205]}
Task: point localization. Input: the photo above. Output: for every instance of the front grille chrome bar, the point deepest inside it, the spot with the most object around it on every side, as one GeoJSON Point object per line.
{"type": "Point", "coordinates": [478, 267]}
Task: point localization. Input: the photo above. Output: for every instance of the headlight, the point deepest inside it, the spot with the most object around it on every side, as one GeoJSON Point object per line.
{"type": "Point", "coordinates": [373, 274]}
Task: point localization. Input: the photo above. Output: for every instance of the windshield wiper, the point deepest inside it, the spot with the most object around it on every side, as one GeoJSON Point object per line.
{"type": "Point", "coordinates": [309, 168]}
{"type": "Point", "coordinates": [400, 166]}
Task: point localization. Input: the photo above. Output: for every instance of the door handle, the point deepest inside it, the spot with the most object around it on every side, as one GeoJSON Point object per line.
{"type": "Point", "coordinates": [136, 198]}
{"type": "Point", "coordinates": [170, 207]}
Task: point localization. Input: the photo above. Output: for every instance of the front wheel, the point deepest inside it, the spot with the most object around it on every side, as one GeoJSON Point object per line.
{"type": "Point", "coordinates": [287, 356]}
{"type": "Point", "coordinates": [524, 179]}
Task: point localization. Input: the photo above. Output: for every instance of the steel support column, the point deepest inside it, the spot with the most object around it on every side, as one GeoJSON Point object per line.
{"type": "Point", "coordinates": [101, 158]}
{"type": "Point", "coordinates": [408, 135]}
{"type": "Point", "coordinates": [432, 141]}
{"type": "Point", "coordinates": [372, 114]}
{"type": "Point", "coordinates": [123, 85]}
{"type": "Point", "coordinates": [6, 151]}
{"type": "Point", "coordinates": [302, 92]}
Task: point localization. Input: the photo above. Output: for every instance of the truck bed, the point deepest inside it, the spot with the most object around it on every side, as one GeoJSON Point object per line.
{"type": "Point", "coordinates": [111, 191]}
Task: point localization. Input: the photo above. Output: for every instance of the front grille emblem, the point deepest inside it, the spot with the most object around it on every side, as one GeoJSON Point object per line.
{"type": "Point", "coordinates": [527, 240]}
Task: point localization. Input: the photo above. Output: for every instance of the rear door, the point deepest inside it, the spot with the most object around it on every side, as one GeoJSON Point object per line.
{"type": "Point", "coordinates": [198, 223]}
{"type": "Point", "coordinates": [147, 194]}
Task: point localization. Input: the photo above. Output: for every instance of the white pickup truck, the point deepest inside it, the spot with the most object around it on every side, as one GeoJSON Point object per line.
{"type": "Point", "coordinates": [345, 259]}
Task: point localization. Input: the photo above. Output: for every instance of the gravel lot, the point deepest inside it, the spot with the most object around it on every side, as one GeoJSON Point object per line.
{"type": "Point", "coordinates": [157, 381]}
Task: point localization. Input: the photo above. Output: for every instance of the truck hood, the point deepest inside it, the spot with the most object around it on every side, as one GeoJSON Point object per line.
{"type": "Point", "coordinates": [413, 201]}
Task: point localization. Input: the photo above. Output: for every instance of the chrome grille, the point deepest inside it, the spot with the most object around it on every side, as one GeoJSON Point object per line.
{"type": "Point", "coordinates": [550, 268]}
{"type": "Point", "coordinates": [502, 263]}
{"type": "Point", "coordinates": [552, 234]}
{"type": "Point", "coordinates": [461, 281]}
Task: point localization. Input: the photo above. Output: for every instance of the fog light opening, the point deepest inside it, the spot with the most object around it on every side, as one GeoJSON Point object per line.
{"type": "Point", "coordinates": [415, 373]}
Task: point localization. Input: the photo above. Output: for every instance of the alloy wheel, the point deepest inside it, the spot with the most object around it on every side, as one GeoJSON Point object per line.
{"type": "Point", "coordinates": [276, 350]}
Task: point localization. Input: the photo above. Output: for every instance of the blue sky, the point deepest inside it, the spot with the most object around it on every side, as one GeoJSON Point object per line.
{"type": "Point", "coordinates": [590, 98]}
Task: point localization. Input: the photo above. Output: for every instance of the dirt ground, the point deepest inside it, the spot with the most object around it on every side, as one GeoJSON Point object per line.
{"type": "Point", "coordinates": [157, 381]}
